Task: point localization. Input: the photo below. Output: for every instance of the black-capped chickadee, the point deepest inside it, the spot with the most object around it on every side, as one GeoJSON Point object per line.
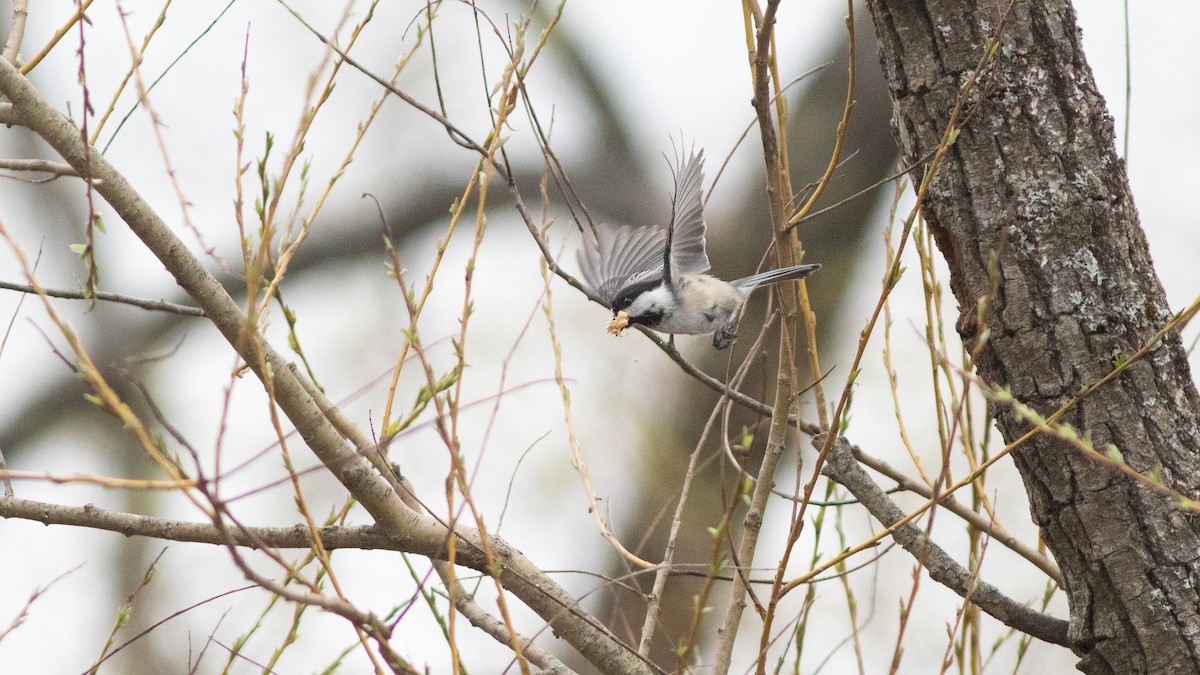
{"type": "Point", "coordinates": [655, 276]}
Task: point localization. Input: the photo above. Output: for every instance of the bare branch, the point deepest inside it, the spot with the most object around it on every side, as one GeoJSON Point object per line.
{"type": "Point", "coordinates": [16, 30]}
{"type": "Point", "coordinates": [457, 135]}
{"type": "Point", "coordinates": [5, 480]}
{"type": "Point", "coordinates": [33, 597]}
{"type": "Point", "coordinates": [977, 520]}
{"type": "Point", "coordinates": [366, 537]}
{"type": "Point", "coordinates": [842, 467]}
{"type": "Point", "coordinates": [158, 305]}
{"type": "Point", "coordinates": [465, 603]}
{"type": "Point", "coordinates": [415, 531]}
{"type": "Point", "coordinates": [40, 165]}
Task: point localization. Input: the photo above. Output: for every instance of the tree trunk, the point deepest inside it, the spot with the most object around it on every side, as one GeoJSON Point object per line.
{"type": "Point", "coordinates": [1034, 179]}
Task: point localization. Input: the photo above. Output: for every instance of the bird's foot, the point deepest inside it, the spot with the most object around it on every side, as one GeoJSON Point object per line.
{"type": "Point", "coordinates": [724, 337]}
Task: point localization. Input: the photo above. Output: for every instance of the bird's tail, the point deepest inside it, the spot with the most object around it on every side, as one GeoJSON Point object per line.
{"type": "Point", "coordinates": [775, 276]}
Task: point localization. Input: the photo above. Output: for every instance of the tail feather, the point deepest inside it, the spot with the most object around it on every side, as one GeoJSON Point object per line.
{"type": "Point", "coordinates": [775, 276]}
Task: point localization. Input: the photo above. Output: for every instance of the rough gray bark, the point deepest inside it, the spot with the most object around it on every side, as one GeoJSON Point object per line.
{"type": "Point", "coordinates": [1034, 178]}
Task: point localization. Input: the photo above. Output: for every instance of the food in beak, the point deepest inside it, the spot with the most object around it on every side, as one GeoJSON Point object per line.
{"type": "Point", "coordinates": [618, 323]}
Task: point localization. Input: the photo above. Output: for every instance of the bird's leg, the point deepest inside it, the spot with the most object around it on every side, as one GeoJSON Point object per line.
{"type": "Point", "coordinates": [726, 334]}
{"type": "Point", "coordinates": [671, 341]}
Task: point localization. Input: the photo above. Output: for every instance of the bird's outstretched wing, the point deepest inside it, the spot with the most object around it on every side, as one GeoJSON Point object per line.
{"type": "Point", "coordinates": [616, 258]}
{"type": "Point", "coordinates": [685, 233]}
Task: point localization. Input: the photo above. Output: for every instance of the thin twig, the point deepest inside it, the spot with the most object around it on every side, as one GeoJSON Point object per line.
{"type": "Point", "coordinates": [842, 467]}
{"type": "Point", "coordinates": [39, 165]}
{"type": "Point", "coordinates": [742, 399]}
{"type": "Point", "coordinates": [465, 602]}
{"type": "Point", "coordinates": [156, 305]}
{"type": "Point", "coordinates": [976, 519]}
{"type": "Point", "coordinates": [124, 611]}
{"type": "Point", "coordinates": [5, 480]}
{"type": "Point", "coordinates": [33, 597]}
{"type": "Point", "coordinates": [806, 490]}
{"type": "Point", "coordinates": [421, 534]}
{"type": "Point", "coordinates": [456, 134]}
{"type": "Point", "coordinates": [892, 274]}
{"type": "Point", "coordinates": [759, 48]}
{"type": "Point", "coordinates": [1176, 323]}
{"type": "Point", "coordinates": [573, 441]}
{"type": "Point", "coordinates": [165, 71]}
{"type": "Point", "coordinates": [364, 537]}
{"type": "Point", "coordinates": [134, 65]}
{"type": "Point", "coordinates": [750, 126]}
{"type": "Point", "coordinates": [664, 569]}
{"type": "Point", "coordinates": [53, 42]}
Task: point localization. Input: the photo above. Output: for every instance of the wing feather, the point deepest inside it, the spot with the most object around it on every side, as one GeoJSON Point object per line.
{"type": "Point", "coordinates": [688, 254]}
{"type": "Point", "coordinates": [614, 258]}
{"type": "Point", "coordinates": [617, 257]}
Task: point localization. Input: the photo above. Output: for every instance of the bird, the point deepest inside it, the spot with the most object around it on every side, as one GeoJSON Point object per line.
{"type": "Point", "coordinates": [656, 276]}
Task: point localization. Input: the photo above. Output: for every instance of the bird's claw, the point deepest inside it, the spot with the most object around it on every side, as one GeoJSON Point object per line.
{"type": "Point", "coordinates": [724, 337]}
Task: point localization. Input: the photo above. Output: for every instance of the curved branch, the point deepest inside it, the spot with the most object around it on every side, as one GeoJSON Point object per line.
{"type": "Point", "coordinates": [414, 531]}
{"type": "Point", "coordinates": [843, 468]}
{"type": "Point", "coordinates": [977, 520]}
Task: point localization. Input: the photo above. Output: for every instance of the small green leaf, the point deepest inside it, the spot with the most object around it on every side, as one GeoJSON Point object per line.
{"type": "Point", "coordinates": [1155, 475]}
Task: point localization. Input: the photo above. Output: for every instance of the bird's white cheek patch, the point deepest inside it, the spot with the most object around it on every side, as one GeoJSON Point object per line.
{"type": "Point", "coordinates": [618, 323]}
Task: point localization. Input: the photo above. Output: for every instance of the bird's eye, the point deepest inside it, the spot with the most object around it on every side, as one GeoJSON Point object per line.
{"type": "Point", "coordinates": [622, 302]}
